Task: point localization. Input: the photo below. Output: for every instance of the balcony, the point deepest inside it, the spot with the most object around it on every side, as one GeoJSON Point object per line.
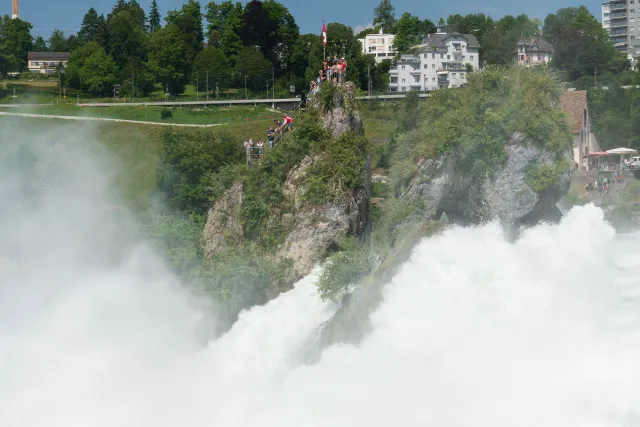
{"type": "Point", "coordinates": [622, 6]}
{"type": "Point", "coordinates": [393, 70]}
{"type": "Point", "coordinates": [619, 15]}
{"type": "Point", "coordinates": [618, 24]}
{"type": "Point", "coordinates": [452, 66]}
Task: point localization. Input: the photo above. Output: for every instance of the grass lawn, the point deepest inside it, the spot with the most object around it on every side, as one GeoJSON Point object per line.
{"type": "Point", "coordinates": [379, 118]}
{"type": "Point", "coordinates": [183, 115]}
{"type": "Point", "coordinates": [136, 148]}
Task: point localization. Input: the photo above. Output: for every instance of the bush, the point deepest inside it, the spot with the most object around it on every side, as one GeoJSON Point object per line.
{"type": "Point", "coordinates": [345, 269]}
{"type": "Point", "coordinates": [166, 114]}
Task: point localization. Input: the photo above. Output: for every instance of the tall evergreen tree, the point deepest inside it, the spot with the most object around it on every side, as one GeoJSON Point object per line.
{"type": "Point", "coordinates": [154, 18]}
{"type": "Point", "coordinates": [384, 16]}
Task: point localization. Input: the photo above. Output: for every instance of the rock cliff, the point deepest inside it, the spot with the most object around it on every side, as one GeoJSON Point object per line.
{"type": "Point", "coordinates": [311, 230]}
{"type": "Point", "coordinates": [223, 226]}
{"type": "Point", "coordinates": [506, 195]}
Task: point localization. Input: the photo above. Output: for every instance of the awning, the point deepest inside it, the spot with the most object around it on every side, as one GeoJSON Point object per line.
{"type": "Point", "coordinates": [597, 153]}
{"type": "Point", "coordinates": [622, 151]}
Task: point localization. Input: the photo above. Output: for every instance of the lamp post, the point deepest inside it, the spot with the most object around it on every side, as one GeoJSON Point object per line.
{"type": "Point", "coordinates": [197, 87]}
{"type": "Point", "coordinates": [207, 85]}
{"type": "Point", "coordinates": [245, 87]}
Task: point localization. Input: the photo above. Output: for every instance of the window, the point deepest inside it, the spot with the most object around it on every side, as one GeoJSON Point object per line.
{"type": "Point", "coordinates": [632, 11]}
{"type": "Point", "coordinates": [425, 65]}
{"type": "Point", "coordinates": [403, 81]}
{"type": "Point", "coordinates": [463, 57]}
{"type": "Point", "coordinates": [453, 75]}
{"type": "Point", "coordinates": [471, 57]}
{"type": "Point", "coordinates": [403, 68]}
{"type": "Point", "coordinates": [448, 56]}
{"type": "Point", "coordinates": [442, 56]}
{"type": "Point", "coordinates": [606, 14]}
{"type": "Point", "coordinates": [433, 79]}
{"type": "Point", "coordinates": [433, 56]}
{"type": "Point", "coordinates": [433, 65]}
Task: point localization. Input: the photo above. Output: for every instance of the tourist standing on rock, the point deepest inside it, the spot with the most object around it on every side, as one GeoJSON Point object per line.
{"type": "Point", "coordinates": [271, 134]}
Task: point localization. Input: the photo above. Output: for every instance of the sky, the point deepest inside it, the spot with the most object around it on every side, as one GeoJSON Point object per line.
{"type": "Point", "coordinates": [66, 15]}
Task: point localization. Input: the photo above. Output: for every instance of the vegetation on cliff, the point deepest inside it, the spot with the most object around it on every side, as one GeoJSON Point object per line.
{"type": "Point", "coordinates": [477, 122]}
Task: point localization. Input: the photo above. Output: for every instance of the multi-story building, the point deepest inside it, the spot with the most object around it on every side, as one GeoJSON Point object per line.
{"type": "Point", "coordinates": [441, 61]}
{"type": "Point", "coordinates": [47, 62]}
{"type": "Point", "coordinates": [379, 45]}
{"type": "Point", "coordinates": [532, 51]}
{"type": "Point", "coordinates": [621, 19]}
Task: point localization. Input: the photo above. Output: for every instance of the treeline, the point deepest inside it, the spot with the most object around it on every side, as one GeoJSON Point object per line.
{"type": "Point", "coordinates": [257, 43]}
{"type": "Point", "coordinates": [250, 44]}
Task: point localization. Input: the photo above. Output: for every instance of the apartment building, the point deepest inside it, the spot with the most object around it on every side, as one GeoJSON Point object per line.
{"type": "Point", "coordinates": [621, 19]}
{"type": "Point", "coordinates": [46, 62]}
{"type": "Point", "coordinates": [378, 45]}
{"type": "Point", "coordinates": [441, 61]}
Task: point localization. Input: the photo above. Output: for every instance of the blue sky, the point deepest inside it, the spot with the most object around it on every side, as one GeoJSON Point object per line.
{"type": "Point", "coordinates": [45, 15]}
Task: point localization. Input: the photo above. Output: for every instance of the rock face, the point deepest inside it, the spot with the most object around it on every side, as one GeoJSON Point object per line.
{"type": "Point", "coordinates": [316, 229]}
{"type": "Point", "coordinates": [343, 117]}
{"type": "Point", "coordinates": [223, 222]}
{"type": "Point", "coordinates": [311, 230]}
{"type": "Point", "coordinates": [505, 196]}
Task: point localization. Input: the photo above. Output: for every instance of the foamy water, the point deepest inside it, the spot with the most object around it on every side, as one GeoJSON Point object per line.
{"type": "Point", "coordinates": [473, 331]}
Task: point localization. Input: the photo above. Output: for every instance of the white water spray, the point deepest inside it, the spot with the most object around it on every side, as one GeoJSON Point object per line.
{"type": "Point", "coordinates": [473, 331]}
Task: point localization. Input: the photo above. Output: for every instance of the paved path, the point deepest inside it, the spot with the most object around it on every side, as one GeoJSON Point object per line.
{"type": "Point", "coordinates": [104, 119]}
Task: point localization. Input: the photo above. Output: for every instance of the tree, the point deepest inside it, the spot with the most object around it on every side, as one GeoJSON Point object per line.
{"type": "Point", "coordinates": [410, 30]}
{"type": "Point", "coordinates": [154, 18]}
{"type": "Point", "coordinates": [384, 16]}
{"type": "Point", "coordinates": [475, 24]}
{"type": "Point", "coordinates": [224, 24]}
{"type": "Point", "coordinates": [251, 63]}
{"type": "Point", "coordinates": [500, 39]}
{"type": "Point", "coordinates": [40, 45]}
{"type": "Point", "coordinates": [128, 41]}
{"type": "Point", "coordinates": [189, 21]}
{"type": "Point", "coordinates": [212, 61]}
{"type": "Point", "coordinates": [58, 42]}
{"type": "Point", "coordinates": [581, 44]}
{"type": "Point", "coordinates": [305, 60]}
{"type": "Point", "coordinates": [15, 43]}
{"type": "Point", "coordinates": [166, 57]}
{"type": "Point", "coordinates": [93, 27]}
{"type": "Point", "coordinates": [91, 69]}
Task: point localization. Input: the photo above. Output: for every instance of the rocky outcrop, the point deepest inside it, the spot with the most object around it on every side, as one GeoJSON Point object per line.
{"type": "Point", "coordinates": [223, 225]}
{"type": "Point", "coordinates": [315, 230]}
{"type": "Point", "coordinates": [343, 117]}
{"type": "Point", "coordinates": [447, 188]}
{"type": "Point", "coordinates": [311, 230]}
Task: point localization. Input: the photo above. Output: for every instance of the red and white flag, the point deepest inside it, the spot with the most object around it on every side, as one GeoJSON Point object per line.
{"type": "Point", "coordinates": [324, 34]}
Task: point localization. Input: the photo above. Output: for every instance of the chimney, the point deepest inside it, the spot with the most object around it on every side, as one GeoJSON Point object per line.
{"type": "Point", "coordinates": [15, 9]}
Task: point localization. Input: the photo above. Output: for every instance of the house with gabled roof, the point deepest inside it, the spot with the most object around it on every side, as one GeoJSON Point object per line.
{"type": "Point", "coordinates": [532, 51]}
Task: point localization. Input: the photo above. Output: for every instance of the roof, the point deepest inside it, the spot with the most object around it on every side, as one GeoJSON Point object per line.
{"type": "Point", "coordinates": [438, 40]}
{"type": "Point", "coordinates": [59, 56]}
{"type": "Point", "coordinates": [542, 44]}
{"type": "Point", "coordinates": [573, 104]}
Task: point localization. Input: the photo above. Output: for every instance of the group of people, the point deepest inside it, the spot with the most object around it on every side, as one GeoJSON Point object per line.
{"type": "Point", "coordinates": [333, 69]}
{"type": "Point", "coordinates": [254, 148]}
{"type": "Point", "coordinates": [598, 186]}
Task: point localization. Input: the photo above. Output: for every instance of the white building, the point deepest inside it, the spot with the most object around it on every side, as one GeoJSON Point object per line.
{"type": "Point", "coordinates": [441, 61]}
{"type": "Point", "coordinates": [47, 62]}
{"type": "Point", "coordinates": [621, 19]}
{"type": "Point", "coordinates": [379, 45]}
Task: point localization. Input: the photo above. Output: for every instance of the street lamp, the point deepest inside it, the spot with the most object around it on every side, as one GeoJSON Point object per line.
{"type": "Point", "coordinates": [197, 87]}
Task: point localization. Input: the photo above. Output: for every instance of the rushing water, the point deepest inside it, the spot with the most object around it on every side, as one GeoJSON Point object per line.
{"type": "Point", "coordinates": [473, 331]}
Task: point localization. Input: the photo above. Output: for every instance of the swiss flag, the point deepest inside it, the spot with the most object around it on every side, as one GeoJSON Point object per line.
{"type": "Point", "coordinates": [324, 34]}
